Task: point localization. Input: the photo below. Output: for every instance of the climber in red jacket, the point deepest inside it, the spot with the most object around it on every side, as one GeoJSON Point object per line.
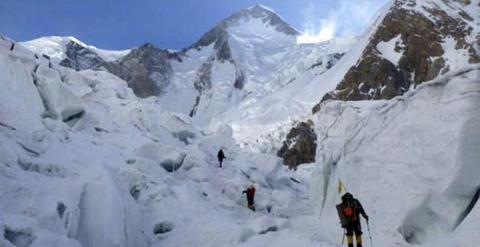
{"type": "Point", "coordinates": [250, 191]}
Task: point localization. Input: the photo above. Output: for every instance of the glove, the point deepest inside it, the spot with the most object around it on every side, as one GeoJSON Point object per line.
{"type": "Point", "coordinates": [366, 218]}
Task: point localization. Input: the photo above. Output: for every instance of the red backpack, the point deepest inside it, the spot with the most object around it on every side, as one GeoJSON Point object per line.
{"type": "Point", "coordinates": [348, 211]}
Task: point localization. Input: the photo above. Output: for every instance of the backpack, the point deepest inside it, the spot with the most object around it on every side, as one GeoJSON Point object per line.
{"type": "Point", "coordinates": [348, 211]}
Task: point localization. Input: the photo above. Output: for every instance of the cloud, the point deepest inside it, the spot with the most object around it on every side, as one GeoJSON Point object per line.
{"type": "Point", "coordinates": [311, 34]}
{"type": "Point", "coordinates": [344, 18]}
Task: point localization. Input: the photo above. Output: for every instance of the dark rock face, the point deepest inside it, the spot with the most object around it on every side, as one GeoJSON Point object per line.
{"type": "Point", "coordinates": [82, 58]}
{"type": "Point", "coordinates": [300, 146]}
{"type": "Point", "coordinates": [329, 61]}
{"type": "Point", "coordinates": [374, 77]}
{"type": "Point", "coordinates": [146, 69]}
{"type": "Point", "coordinates": [203, 83]}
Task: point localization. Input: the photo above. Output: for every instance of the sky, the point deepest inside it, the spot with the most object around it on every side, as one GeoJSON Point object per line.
{"type": "Point", "coordinates": [172, 24]}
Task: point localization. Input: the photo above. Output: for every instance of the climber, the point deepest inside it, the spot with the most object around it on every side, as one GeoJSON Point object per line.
{"type": "Point", "coordinates": [221, 157]}
{"type": "Point", "coordinates": [349, 212]}
{"type": "Point", "coordinates": [250, 191]}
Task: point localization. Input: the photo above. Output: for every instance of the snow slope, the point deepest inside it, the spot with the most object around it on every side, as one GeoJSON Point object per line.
{"type": "Point", "coordinates": [55, 47]}
{"type": "Point", "coordinates": [261, 61]}
{"type": "Point", "coordinates": [262, 125]}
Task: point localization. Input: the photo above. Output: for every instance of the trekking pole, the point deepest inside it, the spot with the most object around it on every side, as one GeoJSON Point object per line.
{"type": "Point", "coordinates": [369, 234]}
{"type": "Point", "coordinates": [343, 238]}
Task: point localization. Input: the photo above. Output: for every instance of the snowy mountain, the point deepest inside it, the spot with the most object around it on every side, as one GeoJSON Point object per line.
{"type": "Point", "coordinates": [411, 42]}
{"type": "Point", "coordinates": [60, 48]}
{"type": "Point", "coordinates": [87, 159]}
{"type": "Point", "coordinates": [249, 55]}
{"type": "Point", "coordinates": [415, 42]}
{"type": "Point", "coordinates": [411, 159]}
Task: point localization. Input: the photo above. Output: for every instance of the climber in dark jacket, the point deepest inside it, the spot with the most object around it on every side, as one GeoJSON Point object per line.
{"type": "Point", "coordinates": [250, 191]}
{"type": "Point", "coordinates": [220, 157]}
{"type": "Point", "coordinates": [349, 212]}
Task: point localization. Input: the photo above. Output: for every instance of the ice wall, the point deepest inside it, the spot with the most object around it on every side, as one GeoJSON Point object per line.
{"type": "Point", "coordinates": [412, 161]}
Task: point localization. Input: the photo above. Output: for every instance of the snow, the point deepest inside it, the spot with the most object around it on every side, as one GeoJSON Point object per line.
{"type": "Point", "coordinates": [83, 162]}
{"type": "Point", "coordinates": [455, 59]}
{"type": "Point", "coordinates": [55, 47]}
{"type": "Point", "coordinates": [263, 7]}
{"type": "Point", "coordinates": [387, 49]}
{"type": "Point", "coordinates": [403, 152]}
{"type": "Point", "coordinates": [262, 124]}
{"type": "Point", "coordinates": [102, 181]}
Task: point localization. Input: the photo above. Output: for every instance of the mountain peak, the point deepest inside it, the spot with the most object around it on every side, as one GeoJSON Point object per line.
{"type": "Point", "coordinates": [267, 15]}
{"type": "Point", "coordinates": [258, 8]}
{"type": "Point", "coordinates": [219, 33]}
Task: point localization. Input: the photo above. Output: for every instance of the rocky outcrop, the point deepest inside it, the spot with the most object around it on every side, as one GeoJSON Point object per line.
{"type": "Point", "coordinates": [79, 57]}
{"type": "Point", "coordinates": [328, 61]}
{"type": "Point", "coordinates": [418, 38]}
{"type": "Point", "coordinates": [146, 69]}
{"type": "Point", "coordinates": [300, 145]}
{"type": "Point", "coordinates": [203, 83]}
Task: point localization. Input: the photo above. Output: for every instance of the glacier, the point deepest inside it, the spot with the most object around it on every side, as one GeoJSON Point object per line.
{"type": "Point", "coordinates": [85, 162]}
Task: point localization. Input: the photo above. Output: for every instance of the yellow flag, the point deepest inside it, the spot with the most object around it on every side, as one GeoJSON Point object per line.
{"type": "Point", "coordinates": [340, 187]}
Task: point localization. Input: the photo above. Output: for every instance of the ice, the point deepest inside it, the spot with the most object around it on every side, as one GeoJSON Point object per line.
{"type": "Point", "coordinates": [106, 180]}
{"type": "Point", "coordinates": [104, 219]}
{"type": "Point", "coordinates": [401, 159]}
{"type": "Point", "coordinates": [105, 168]}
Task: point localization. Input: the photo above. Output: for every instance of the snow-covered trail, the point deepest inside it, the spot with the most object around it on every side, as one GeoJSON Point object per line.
{"type": "Point", "coordinates": [224, 219]}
